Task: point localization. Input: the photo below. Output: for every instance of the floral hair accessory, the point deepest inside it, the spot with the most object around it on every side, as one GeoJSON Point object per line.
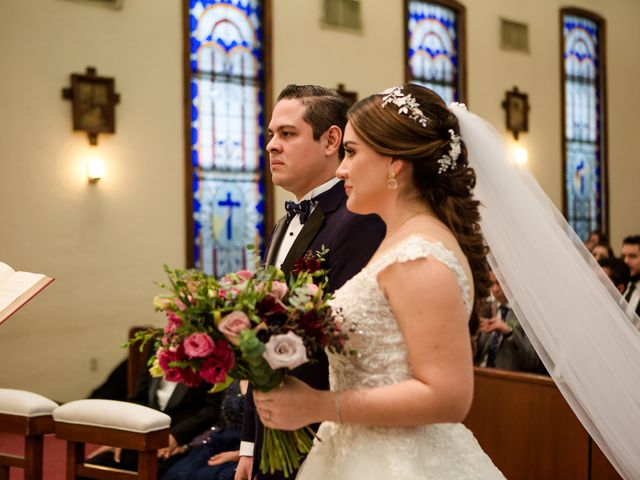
{"type": "Point", "coordinates": [406, 104]}
{"type": "Point", "coordinates": [449, 161]}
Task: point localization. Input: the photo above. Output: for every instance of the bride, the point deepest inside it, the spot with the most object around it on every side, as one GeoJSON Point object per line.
{"type": "Point", "coordinates": [395, 406]}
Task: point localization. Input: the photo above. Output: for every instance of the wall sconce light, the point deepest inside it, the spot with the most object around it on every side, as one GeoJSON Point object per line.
{"type": "Point", "coordinates": [95, 169]}
{"type": "Point", "coordinates": [520, 154]}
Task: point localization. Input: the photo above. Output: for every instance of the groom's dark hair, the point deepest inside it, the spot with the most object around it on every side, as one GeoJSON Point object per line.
{"type": "Point", "coordinates": [323, 107]}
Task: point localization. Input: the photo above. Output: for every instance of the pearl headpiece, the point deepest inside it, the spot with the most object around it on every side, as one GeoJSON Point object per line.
{"type": "Point", "coordinates": [449, 161]}
{"type": "Point", "coordinates": [407, 105]}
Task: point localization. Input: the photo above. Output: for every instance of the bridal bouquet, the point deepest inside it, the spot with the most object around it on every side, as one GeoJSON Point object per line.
{"type": "Point", "coordinates": [253, 326]}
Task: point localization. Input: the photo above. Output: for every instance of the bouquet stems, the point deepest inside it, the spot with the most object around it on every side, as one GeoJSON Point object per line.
{"type": "Point", "coordinates": [282, 451]}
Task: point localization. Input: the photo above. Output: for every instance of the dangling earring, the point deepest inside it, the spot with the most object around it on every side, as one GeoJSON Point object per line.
{"type": "Point", "coordinates": [392, 183]}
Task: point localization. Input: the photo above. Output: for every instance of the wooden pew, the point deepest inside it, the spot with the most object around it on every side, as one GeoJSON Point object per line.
{"type": "Point", "coordinates": [527, 428]}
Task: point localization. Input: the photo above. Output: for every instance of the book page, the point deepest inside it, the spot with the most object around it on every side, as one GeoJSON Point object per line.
{"type": "Point", "coordinates": [5, 272]}
{"type": "Point", "coordinates": [15, 285]}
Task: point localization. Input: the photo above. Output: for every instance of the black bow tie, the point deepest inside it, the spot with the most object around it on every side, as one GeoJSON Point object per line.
{"type": "Point", "coordinates": [303, 209]}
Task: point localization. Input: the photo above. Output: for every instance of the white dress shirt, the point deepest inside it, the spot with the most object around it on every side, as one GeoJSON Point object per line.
{"type": "Point", "coordinates": [634, 300]}
{"type": "Point", "coordinates": [164, 392]}
{"type": "Point", "coordinates": [295, 227]}
{"type": "Point", "coordinates": [293, 230]}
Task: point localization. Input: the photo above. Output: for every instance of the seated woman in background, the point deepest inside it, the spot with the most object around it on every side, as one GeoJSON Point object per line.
{"type": "Point", "coordinates": [616, 270]}
{"type": "Point", "coordinates": [215, 454]}
{"type": "Point", "coordinates": [602, 250]}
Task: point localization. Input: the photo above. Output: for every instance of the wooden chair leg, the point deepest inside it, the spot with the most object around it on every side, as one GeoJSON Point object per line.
{"type": "Point", "coordinates": [75, 456]}
{"type": "Point", "coordinates": [4, 472]}
{"type": "Point", "coordinates": [147, 465]}
{"type": "Point", "coordinates": [33, 452]}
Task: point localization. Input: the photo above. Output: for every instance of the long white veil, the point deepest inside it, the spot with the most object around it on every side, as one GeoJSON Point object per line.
{"type": "Point", "coordinates": [567, 306]}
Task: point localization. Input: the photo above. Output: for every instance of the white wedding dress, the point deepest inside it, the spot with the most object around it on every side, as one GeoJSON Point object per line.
{"type": "Point", "coordinates": [350, 452]}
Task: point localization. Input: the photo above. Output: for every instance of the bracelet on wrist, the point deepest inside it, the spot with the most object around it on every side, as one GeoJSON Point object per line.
{"type": "Point", "coordinates": [336, 404]}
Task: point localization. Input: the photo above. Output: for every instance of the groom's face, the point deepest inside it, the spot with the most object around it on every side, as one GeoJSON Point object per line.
{"type": "Point", "coordinates": [296, 159]}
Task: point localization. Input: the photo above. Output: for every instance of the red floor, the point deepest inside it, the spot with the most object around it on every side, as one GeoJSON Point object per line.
{"type": "Point", "coordinates": [54, 455]}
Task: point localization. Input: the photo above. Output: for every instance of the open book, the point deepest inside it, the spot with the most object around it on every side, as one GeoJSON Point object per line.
{"type": "Point", "coordinates": [17, 288]}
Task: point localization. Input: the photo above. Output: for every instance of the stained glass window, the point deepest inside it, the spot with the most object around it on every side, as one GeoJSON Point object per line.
{"type": "Point", "coordinates": [435, 47]}
{"type": "Point", "coordinates": [585, 168]}
{"type": "Point", "coordinates": [226, 93]}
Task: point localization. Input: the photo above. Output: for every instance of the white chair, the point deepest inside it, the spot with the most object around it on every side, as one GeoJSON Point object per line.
{"type": "Point", "coordinates": [113, 423]}
{"type": "Point", "coordinates": [27, 414]}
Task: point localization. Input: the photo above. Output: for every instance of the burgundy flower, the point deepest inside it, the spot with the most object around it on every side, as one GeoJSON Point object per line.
{"type": "Point", "coordinates": [189, 377]}
{"type": "Point", "coordinates": [270, 306]}
{"type": "Point", "coordinates": [307, 263]}
{"type": "Point", "coordinates": [214, 369]}
{"type": "Point", "coordinates": [174, 373]}
{"type": "Point", "coordinates": [311, 324]}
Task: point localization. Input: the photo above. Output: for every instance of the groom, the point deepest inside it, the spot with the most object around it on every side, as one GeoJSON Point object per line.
{"type": "Point", "coordinates": [304, 152]}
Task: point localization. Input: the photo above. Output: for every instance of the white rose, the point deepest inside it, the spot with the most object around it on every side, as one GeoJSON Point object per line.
{"type": "Point", "coordinates": [285, 351]}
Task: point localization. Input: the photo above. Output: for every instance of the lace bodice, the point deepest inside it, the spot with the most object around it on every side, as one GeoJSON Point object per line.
{"type": "Point", "coordinates": [381, 357]}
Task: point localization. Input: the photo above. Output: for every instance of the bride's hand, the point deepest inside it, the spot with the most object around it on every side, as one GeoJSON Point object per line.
{"type": "Point", "coordinates": [291, 406]}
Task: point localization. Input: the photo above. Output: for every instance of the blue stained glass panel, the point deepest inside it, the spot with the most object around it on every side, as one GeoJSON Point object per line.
{"type": "Point", "coordinates": [226, 63]}
{"type": "Point", "coordinates": [583, 136]}
{"type": "Point", "coordinates": [433, 35]}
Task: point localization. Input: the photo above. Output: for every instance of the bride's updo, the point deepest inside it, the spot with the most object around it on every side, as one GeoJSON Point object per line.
{"type": "Point", "coordinates": [412, 123]}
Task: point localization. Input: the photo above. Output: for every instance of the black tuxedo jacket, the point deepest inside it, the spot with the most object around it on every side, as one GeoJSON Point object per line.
{"type": "Point", "coordinates": [351, 239]}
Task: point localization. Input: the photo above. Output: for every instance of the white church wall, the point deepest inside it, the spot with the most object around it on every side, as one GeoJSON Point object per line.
{"type": "Point", "coordinates": [104, 243]}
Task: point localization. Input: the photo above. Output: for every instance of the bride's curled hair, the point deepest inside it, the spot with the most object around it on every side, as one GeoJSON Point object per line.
{"type": "Point", "coordinates": [449, 193]}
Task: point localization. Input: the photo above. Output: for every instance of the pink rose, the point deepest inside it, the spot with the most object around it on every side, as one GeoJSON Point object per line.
{"type": "Point", "coordinates": [214, 369]}
{"type": "Point", "coordinates": [198, 345]}
{"type": "Point", "coordinates": [285, 351]}
{"type": "Point", "coordinates": [279, 289]}
{"type": "Point", "coordinates": [232, 324]}
{"type": "Point", "coordinates": [245, 274]}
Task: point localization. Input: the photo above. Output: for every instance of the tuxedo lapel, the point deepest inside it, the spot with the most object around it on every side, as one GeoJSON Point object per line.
{"type": "Point", "coordinates": [153, 389]}
{"type": "Point", "coordinates": [304, 239]}
{"type": "Point", "coordinates": [176, 397]}
{"type": "Point", "coordinates": [278, 233]}
{"type": "Point", "coordinates": [328, 202]}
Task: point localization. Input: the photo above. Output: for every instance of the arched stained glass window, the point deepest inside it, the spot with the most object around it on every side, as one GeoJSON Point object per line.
{"type": "Point", "coordinates": [435, 47]}
{"type": "Point", "coordinates": [226, 85]}
{"type": "Point", "coordinates": [585, 179]}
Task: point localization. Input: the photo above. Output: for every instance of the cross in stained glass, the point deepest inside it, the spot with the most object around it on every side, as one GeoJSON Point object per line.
{"type": "Point", "coordinates": [229, 203]}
